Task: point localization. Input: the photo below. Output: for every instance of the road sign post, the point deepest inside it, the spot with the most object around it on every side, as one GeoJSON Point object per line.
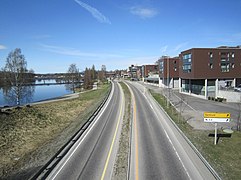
{"type": "Point", "coordinates": [216, 117]}
{"type": "Point", "coordinates": [215, 136]}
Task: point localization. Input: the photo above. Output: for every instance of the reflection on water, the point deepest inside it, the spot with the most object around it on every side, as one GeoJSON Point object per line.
{"type": "Point", "coordinates": [18, 95]}
{"type": "Point", "coordinates": [33, 93]}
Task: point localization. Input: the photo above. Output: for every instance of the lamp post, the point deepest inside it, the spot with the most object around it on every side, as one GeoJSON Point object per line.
{"type": "Point", "coordinates": [168, 79]}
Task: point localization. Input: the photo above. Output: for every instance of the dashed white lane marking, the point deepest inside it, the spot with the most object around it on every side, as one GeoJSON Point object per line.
{"type": "Point", "coordinates": [177, 154]}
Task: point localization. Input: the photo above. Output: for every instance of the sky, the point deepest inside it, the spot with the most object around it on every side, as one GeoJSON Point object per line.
{"type": "Point", "coordinates": [53, 34]}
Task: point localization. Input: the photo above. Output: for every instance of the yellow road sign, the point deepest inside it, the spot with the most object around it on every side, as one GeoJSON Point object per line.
{"type": "Point", "coordinates": [216, 115]}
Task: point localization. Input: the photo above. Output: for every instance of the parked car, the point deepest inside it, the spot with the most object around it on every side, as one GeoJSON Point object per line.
{"type": "Point", "coordinates": [238, 88]}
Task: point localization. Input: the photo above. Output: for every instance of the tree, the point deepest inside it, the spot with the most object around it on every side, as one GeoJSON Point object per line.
{"type": "Point", "coordinates": [93, 73]}
{"type": "Point", "coordinates": [101, 74]}
{"type": "Point", "coordinates": [239, 117]}
{"type": "Point", "coordinates": [87, 79]}
{"type": "Point", "coordinates": [72, 76]}
{"type": "Point", "coordinates": [16, 75]}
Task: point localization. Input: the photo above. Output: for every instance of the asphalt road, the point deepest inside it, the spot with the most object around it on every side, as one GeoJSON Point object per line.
{"type": "Point", "coordinates": [158, 151]}
{"type": "Point", "coordinates": [93, 155]}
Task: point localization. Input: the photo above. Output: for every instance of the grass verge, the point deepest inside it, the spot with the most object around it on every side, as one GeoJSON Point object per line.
{"type": "Point", "coordinates": [30, 136]}
{"type": "Point", "coordinates": [121, 164]}
{"type": "Point", "coordinates": [225, 157]}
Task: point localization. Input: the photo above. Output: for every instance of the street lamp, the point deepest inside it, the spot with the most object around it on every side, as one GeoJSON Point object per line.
{"type": "Point", "coordinates": [168, 79]}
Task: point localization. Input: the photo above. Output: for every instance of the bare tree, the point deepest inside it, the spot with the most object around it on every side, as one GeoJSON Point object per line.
{"type": "Point", "coordinates": [87, 79]}
{"type": "Point", "coordinates": [72, 76]}
{"type": "Point", "coordinates": [239, 117]}
{"type": "Point", "coordinates": [93, 73]}
{"type": "Point", "coordinates": [16, 75]}
{"type": "Point", "coordinates": [101, 74]}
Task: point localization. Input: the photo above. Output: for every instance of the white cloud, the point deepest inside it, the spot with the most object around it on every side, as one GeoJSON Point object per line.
{"type": "Point", "coordinates": [180, 46]}
{"type": "Point", "coordinates": [2, 47]}
{"type": "Point", "coordinates": [139, 60]}
{"type": "Point", "coordinates": [75, 52]}
{"type": "Point", "coordinates": [95, 13]}
{"type": "Point", "coordinates": [143, 12]}
{"type": "Point", "coordinates": [42, 36]}
{"type": "Point", "coordinates": [164, 49]}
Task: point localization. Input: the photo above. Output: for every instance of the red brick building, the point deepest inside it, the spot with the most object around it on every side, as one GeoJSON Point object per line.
{"type": "Point", "coordinates": [149, 70]}
{"type": "Point", "coordinates": [203, 71]}
{"type": "Point", "coordinates": [169, 71]}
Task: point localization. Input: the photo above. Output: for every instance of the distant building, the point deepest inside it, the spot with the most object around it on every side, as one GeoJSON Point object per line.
{"type": "Point", "coordinates": [203, 71]}
{"type": "Point", "coordinates": [135, 72]}
{"type": "Point", "coordinates": [148, 70]}
{"type": "Point", "coordinates": [124, 74]}
{"type": "Point", "coordinates": [168, 71]}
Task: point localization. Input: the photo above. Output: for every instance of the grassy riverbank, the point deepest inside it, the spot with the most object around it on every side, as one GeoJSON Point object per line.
{"type": "Point", "coordinates": [225, 157]}
{"type": "Point", "coordinates": [31, 135]}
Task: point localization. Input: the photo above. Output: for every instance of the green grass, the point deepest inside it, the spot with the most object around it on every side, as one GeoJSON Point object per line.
{"type": "Point", "coordinates": [225, 157]}
{"type": "Point", "coordinates": [23, 131]}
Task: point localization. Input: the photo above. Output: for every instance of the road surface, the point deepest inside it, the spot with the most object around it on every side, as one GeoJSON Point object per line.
{"type": "Point", "coordinates": [158, 151]}
{"type": "Point", "coordinates": [93, 155]}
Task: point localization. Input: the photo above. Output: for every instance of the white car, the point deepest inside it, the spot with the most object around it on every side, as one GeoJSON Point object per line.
{"type": "Point", "coordinates": [238, 88]}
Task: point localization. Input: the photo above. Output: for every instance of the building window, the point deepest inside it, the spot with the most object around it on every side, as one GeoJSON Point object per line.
{"type": "Point", "coordinates": [224, 67]}
{"type": "Point", "coordinates": [225, 63]}
{"type": "Point", "coordinates": [232, 65]}
{"type": "Point", "coordinates": [210, 55]}
{"type": "Point", "coordinates": [161, 67]}
{"type": "Point", "coordinates": [232, 54]}
{"type": "Point", "coordinates": [175, 69]}
{"type": "Point", "coordinates": [211, 65]}
{"type": "Point", "coordinates": [187, 63]}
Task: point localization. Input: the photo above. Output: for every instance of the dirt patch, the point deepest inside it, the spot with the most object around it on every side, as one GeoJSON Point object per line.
{"type": "Point", "coordinates": [30, 136]}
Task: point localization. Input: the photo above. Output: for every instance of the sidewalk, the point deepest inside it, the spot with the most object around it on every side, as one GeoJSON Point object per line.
{"type": "Point", "coordinates": [192, 108]}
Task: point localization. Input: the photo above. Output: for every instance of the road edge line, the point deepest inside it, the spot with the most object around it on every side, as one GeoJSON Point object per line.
{"type": "Point", "coordinates": [205, 162]}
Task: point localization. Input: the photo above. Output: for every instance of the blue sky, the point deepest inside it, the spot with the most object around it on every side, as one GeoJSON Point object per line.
{"type": "Point", "coordinates": [56, 33]}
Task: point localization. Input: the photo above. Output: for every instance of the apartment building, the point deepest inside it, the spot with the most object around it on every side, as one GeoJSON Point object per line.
{"type": "Point", "coordinates": [134, 72]}
{"type": "Point", "coordinates": [168, 72]}
{"type": "Point", "coordinates": [204, 71]}
{"type": "Point", "coordinates": [148, 70]}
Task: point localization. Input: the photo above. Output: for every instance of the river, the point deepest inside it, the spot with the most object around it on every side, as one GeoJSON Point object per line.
{"type": "Point", "coordinates": [40, 93]}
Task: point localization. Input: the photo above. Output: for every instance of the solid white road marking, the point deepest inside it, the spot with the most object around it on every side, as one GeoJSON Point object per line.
{"type": "Point", "coordinates": [91, 127]}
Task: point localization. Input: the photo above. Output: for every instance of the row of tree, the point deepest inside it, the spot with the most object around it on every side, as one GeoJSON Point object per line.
{"type": "Point", "coordinates": [74, 77]}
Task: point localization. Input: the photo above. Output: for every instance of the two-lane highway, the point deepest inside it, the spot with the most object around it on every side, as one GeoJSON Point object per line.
{"type": "Point", "coordinates": [158, 151]}
{"type": "Point", "coordinates": [93, 155]}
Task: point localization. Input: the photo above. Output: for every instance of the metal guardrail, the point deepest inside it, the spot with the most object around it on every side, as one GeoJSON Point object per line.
{"type": "Point", "coordinates": [51, 164]}
{"type": "Point", "coordinates": [210, 168]}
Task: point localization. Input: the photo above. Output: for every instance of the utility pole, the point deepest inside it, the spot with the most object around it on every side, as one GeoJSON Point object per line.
{"type": "Point", "coordinates": [168, 79]}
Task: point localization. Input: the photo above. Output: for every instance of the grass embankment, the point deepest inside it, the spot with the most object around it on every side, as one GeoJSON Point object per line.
{"type": "Point", "coordinates": [31, 135]}
{"type": "Point", "coordinates": [121, 164]}
{"type": "Point", "coordinates": [225, 157]}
